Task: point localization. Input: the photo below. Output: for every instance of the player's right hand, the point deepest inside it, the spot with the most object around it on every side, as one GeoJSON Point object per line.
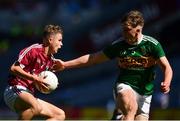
{"type": "Point", "coordinates": [41, 81]}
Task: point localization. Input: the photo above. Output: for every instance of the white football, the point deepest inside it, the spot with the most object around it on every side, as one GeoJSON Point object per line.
{"type": "Point", "coordinates": [51, 79]}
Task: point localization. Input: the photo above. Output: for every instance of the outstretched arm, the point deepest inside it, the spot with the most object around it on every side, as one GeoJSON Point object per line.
{"type": "Point", "coordinates": [167, 72]}
{"type": "Point", "coordinates": [86, 60]}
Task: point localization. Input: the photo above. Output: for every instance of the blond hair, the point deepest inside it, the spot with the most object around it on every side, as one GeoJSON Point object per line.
{"type": "Point", "coordinates": [50, 30]}
{"type": "Point", "coordinates": [133, 18]}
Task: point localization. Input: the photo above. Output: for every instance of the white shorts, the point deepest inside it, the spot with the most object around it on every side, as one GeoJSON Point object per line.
{"type": "Point", "coordinates": [11, 93]}
{"type": "Point", "coordinates": [143, 101]}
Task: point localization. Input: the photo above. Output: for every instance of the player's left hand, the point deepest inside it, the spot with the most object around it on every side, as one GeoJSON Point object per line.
{"type": "Point", "coordinates": [165, 87]}
{"type": "Point", "coordinates": [58, 65]}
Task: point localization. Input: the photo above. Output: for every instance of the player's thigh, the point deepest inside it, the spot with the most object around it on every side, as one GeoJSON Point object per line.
{"type": "Point", "coordinates": [50, 109]}
{"type": "Point", "coordinates": [26, 100]}
{"type": "Point", "coordinates": [19, 98]}
{"type": "Point", "coordinates": [126, 98]}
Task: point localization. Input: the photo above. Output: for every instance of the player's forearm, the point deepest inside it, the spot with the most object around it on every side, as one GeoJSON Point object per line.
{"type": "Point", "coordinates": [167, 70]}
{"type": "Point", "coordinates": [18, 71]}
{"type": "Point", "coordinates": [168, 73]}
{"type": "Point", "coordinates": [78, 62]}
{"type": "Point", "coordinates": [165, 85]}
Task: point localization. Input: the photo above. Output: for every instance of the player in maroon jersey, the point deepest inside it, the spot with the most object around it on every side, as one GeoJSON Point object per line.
{"type": "Point", "coordinates": [19, 94]}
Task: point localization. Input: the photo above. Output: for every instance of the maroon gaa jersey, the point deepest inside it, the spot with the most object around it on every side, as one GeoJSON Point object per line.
{"type": "Point", "coordinates": [32, 60]}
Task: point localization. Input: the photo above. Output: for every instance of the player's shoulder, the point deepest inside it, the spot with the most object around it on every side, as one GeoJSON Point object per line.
{"type": "Point", "coordinates": [150, 39]}
{"type": "Point", "coordinates": [118, 41]}
{"type": "Point", "coordinates": [32, 48]}
{"type": "Point", "coordinates": [35, 47]}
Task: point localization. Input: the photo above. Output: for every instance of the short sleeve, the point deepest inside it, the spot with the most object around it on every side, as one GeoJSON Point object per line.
{"type": "Point", "coordinates": [158, 51]}
{"type": "Point", "coordinates": [111, 51]}
{"type": "Point", "coordinates": [26, 57]}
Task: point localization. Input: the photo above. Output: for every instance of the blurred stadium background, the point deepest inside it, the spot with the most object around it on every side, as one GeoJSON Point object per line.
{"type": "Point", "coordinates": [89, 25]}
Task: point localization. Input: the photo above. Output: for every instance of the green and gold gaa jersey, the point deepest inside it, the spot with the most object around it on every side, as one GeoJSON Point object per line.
{"type": "Point", "coordinates": [136, 62]}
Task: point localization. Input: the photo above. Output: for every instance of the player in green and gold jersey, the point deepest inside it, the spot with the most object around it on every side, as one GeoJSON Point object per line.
{"type": "Point", "coordinates": [136, 62]}
{"type": "Point", "coordinates": [137, 56]}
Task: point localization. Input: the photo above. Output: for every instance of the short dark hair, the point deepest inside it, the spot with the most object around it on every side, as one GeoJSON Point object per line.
{"type": "Point", "coordinates": [51, 29]}
{"type": "Point", "coordinates": [133, 18]}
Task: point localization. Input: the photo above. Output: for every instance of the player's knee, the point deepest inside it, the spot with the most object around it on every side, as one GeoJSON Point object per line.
{"type": "Point", "coordinates": [133, 110]}
{"type": "Point", "coordinates": [37, 110]}
{"type": "Point", "coordinates": [142, 117]}
{"type": "Point", "coordinates": [130, 110]}
{"type": "Point", "coordinates": [60, 115]}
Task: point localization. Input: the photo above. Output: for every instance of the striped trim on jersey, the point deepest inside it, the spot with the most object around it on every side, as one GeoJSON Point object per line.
{"type": "Point", "coordinates": [28, 49]}
{"type": "Point", "coordinates": [150, 39]}
{"type": "Point", "coordinates": [118, 40]}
